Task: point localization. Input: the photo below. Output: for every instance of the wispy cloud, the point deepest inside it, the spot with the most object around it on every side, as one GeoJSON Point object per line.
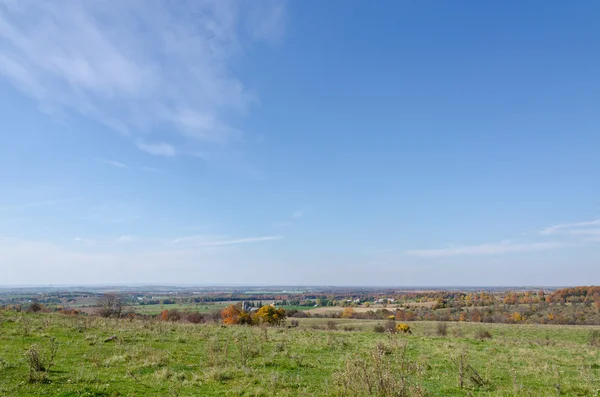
{"type": "Point", "coordinates": [576, 228]}
{"type": "Point", "coordinates": [113, 163]}
{"type": "Point", "coordinates": [151, 169]}
{"type": "Point", "coordinates": [141, 68]}
{"type": "Point", "coordinates": [125, 239]}
{"type": "Point", "coordinates": [206, 241]}
{"type": "Point", "coordinates": [83, 240]}
{"type": "Point", "coordinates": [294, 217]}
{"type": "Point", "coordinates": [298, 214]}
{"type": "Point", "coordinates": [484, 249]}
{"type": "Point", "coordinates": [45, 203]}
{"type": "Point", "coordinates": [157, 148]}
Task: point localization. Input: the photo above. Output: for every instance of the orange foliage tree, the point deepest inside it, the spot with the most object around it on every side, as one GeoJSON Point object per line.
{"type": "Point", "coordinates": [231, 315]}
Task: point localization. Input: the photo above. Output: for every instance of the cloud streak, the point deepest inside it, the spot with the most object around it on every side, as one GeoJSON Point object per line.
{"type": "Point", "coordinates": [146, 69]}
{"type": "Point", "coordinates": [46, 203]}
{"type": "Point", "coordinates": [577, 228]}
{"type": "Point", "coordinates": [157, 149]}
{"type": "Point", "coordinates": [484, 249]}
{"type": "Point", "coordinates": [204, 241]}
{"type": "Point", "coordinates": [113, 163]}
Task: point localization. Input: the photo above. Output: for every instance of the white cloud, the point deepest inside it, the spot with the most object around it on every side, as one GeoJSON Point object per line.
{"type": "Point", "coordinates": [113, 163]}
{"type": "Point", "coordinates": [125, 239]}
{"type": "Point", "coordinates": [577, 228]}
{"type": "Point", "coordinates": [139, 67]}
{"type": "Point", "coordinates": [484, 249]}
{"type": "Point", "coordinates": [569, 234]}
{"type": "Point", "coordinates": [157, 149]}
{"type": "Point", "coordinates": [207, 241]}
{"type": "Point", "coordinates": [151, 169]}
{"type": "Point", "coordinates": [83, 240]}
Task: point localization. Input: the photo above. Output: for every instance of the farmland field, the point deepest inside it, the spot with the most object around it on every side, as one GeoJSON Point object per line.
{"type": "Point", "coordinates": [197, 307]}
{"type": "Point", "coordinates": [110, 357]}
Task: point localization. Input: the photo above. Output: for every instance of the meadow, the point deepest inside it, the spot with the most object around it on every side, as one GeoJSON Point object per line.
{"type": "Point", "coordinates": [52, 354]}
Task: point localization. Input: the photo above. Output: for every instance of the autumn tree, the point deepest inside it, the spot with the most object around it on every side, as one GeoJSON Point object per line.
{"type": "Point", "coordinates": [348, 312]}
{"type": "Point", "coordinates": [231, 315]}
{"type": "Point", "coordinates": [246, 318]}
{"type": "Point", "coordinates": [270, 315]}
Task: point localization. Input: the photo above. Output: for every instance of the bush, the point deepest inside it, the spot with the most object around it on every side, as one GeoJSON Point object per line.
{"type": "Point", "coordinates": [442, 328]}
{"type": "Point", "coordinates": [595, 338]}
{"type": "Point", "coordinates": [379, 328]}
{"type": "Point", "coordinates": [466, 372]}
{"type": "Point", "coordinates": [390, 326]}
{"type": "Point", "coordinates": [170, 315]}
{"type": "Point", "coordinates": [297, 314]}
{"type": "Point", "coordinates": [483, 334]}
{"type": "Point", "coordinates": [404, 328]}
{"type": "Point", "coordinates": [331, 325]}
{"type": "Point", "coordinates": [294, 323]}
{"type": "Point", "coordinates": [40, 362]}
{"type": "Point", "coordinates": [35, 307]}
{"type": "Point", "coordinates": [385, 372]}
{"type": "Point", "coordinates": [194, 318]}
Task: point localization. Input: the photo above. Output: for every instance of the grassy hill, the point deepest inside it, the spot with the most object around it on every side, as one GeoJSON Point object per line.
{"type": "Point", "coordinates": [320, 357]}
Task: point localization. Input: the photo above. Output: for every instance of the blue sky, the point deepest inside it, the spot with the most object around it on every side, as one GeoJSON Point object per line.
{"type": "Point", "coordinates": [322, 143]}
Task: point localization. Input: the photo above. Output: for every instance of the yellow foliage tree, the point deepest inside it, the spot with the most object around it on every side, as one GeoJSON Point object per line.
{"type": "Point", "coordinates": [517, 317]}
{"type": "Point", "coordinates": [270, 315]}
{"type": "Point", "coordinates": [348, 312]}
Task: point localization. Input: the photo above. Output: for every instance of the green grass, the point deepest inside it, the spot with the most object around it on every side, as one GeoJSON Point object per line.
{"type": "Point", "coordinates": [193, 307]}
{"type": "Point", "coordinates": [294, 307]}
{"type": "Point", "coordinates": [151, 358]}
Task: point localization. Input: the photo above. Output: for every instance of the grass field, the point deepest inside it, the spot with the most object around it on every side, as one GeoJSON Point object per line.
{"type": "Point", "coordinates": [195, 307]}
{"type": "Point", "coordinates": [108, 357]}
{"type": "Point", "coordinates": [363, 309]}
{"type": "Point", "coordinates": [200, 307]}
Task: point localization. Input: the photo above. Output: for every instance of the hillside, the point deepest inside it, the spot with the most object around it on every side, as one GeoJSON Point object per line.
{"type": "Point", "coordinates": [109, 357]}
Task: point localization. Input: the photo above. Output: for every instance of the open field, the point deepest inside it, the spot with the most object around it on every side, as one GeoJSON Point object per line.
{"type": "Point", "coordinates": [203, 307]}
{"type": "Point", "coordinates": [109, 357]}
{"type": "Point", "coordinates": [199, 307]}
{"type": "Point", "coordinates": [365, 309]}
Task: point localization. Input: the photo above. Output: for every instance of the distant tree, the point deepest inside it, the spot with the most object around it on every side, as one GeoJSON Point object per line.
{"type": "Point", "coordinates": [231, 315]}
{"type": "Point", "coordinates": [596, 299]}
{"type": "Point", "coordinates": [245, 318]}
{"type": "Point", "coordinates": [271, 315]}
{"type": "Point", "coordinates": [348, 312]}
{"type": "Point", "coordinates": [170, 315]}
{"type": "Point", "coordinates": [164, 315]}
{"type": "Point", "coordinates": [110, 304]}
{"type": "Point", "coordinates": [35, 306]}
{"type": "Point", "coordinates": [517, 317]}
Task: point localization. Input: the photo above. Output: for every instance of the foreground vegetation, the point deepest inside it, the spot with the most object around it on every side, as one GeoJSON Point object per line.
{"type": "Point", "coordinates": [54, 354]}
